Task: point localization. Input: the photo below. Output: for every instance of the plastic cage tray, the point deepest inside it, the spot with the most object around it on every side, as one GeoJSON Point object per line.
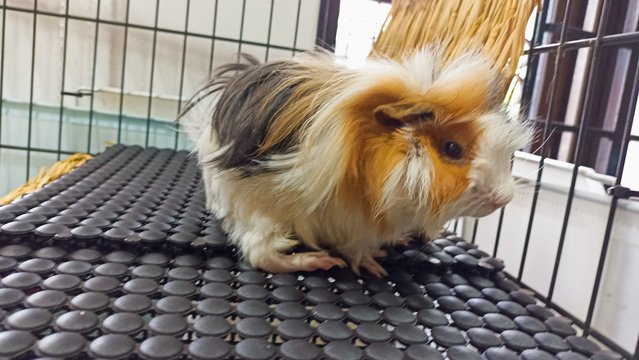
{"type": "Point", "coordinates": [119, 259]}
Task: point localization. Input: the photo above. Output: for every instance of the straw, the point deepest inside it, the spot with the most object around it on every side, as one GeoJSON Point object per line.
{"type": "Point", "coordinates": [46, 176]}
{"type": "Point", "coordinates": [495, 27]}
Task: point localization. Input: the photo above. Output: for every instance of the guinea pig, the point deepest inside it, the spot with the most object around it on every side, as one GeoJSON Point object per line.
{"type": "Point", "coordinates": [347, 160]}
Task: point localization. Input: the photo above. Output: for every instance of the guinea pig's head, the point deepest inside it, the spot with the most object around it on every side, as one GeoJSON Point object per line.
{"type": "Point", "coordinates": [431, 141]}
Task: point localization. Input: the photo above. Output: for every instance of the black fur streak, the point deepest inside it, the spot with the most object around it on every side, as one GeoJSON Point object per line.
{"type": "Point", "coordinates": [240, 117]}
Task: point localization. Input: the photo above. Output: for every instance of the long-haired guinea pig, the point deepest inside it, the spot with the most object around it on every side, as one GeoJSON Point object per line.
{"type": "Point", "coordinates": [347, 160]}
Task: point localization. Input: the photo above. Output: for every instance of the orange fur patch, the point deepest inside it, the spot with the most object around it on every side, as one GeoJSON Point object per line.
{"type": "Point", "coordinates": [378, 149]}
{"type": "Point", "coordinates": [375, 151]}
{"type": "Point", "coordinates": [450, 177]}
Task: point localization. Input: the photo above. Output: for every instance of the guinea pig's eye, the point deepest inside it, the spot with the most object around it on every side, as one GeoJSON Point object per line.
{"type": "Point", "coordinates": [452, 150]}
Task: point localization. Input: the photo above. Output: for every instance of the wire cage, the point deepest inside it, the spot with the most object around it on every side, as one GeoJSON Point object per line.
{"type": "Point", "coordinates": [79, 76]}
{"type": "Point", "coordinates": [580, 89]}
{"type": "Point", "coordinates": [121, 70]}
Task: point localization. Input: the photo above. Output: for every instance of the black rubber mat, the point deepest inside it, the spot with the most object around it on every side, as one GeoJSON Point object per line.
{"type": "Point", "coordinates": [119, 259]}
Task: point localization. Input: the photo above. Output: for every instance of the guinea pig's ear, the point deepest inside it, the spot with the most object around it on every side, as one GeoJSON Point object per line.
{"type": "Point", "coordinates": [402, 113]}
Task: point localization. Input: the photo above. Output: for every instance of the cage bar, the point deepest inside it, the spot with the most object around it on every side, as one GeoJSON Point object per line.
{"type": "Point", "coordinates": [150, 28]}
{"type": "Point", "coordinates": [4, 26]}
{"type": "Point", "coordinates": [239, 44]}
{"type": "Point", "coordinates": [533, 60]}
{"type": "Point", "coordinates": [37, 149]}
{"type": "Point", "coordinates": [590, 93]}
{"type": "Point", "coordinates": [575, 128]}
{"type": "Point", "coordinates": [93, 71]}
{"type": "Point", "coordinates": [213, 37]}
{"type": "Point", "coordinates": [633, 88]}
{"type": "Point", "coordinates": [297, 27]}
{"type": "Point", "coordinates": [122, 78]}
{"type": "Point", "coordinates": [607, 40]}
{"type": "Point", "coordinates": [498, 234]}
{"type": "Point", "coordinates": [153, 55]}
{"type": "Point", "coordinates": [31, 85]}
{"type": "Point", "coordinates": [64, 72]}
{"type": "Point", "coordinates": [183, 65]}
{"type": "Point", "coordinates": [475, 225]}
{"type": "Point", "coordinates": [270, 28]}
{"type": "Point", "coordinates": [545, 133]}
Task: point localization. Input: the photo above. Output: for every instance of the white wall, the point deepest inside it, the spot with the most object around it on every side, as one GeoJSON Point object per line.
{"type": "Point", "coordinates": [631, 169]}
{"type": "Point", "coordinates": [168, 59]}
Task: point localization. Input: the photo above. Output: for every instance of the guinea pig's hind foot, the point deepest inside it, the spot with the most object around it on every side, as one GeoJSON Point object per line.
{"type": "Point", "coordinates": [372, 266]}
{"type": "Point", "coordinates": [304, 261]}
{"type": "Point", "coordinates": [404, 240]}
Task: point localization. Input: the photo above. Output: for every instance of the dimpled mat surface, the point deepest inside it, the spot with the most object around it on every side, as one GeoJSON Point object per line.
{"type": "Point", "coordinates": [119, 259]}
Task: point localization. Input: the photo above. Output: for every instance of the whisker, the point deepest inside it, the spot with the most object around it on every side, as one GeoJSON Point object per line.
{"type": "Point", "coordinates": [536, 171]}
{"type": "Point", "coordinates": [525, 186]}
{"type": "Point", "coordinates": [552, 131]}
{"type": "Point", "coordinates": [526, 181]}
{"type": "Point", "coordinates": [461, 207]}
